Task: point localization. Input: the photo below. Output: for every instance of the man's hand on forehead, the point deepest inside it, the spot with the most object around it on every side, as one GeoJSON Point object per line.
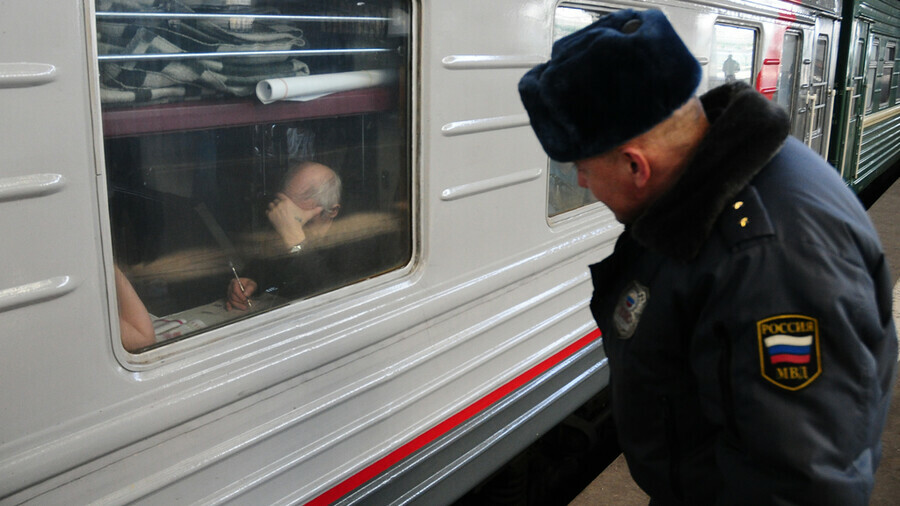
{"type": "Point", "coordinates": [289, 219]}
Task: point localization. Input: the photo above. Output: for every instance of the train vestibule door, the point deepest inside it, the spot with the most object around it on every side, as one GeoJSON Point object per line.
{"type": "Point", "coordinates": [820, 95]}
{"type": "Point", "coordinates": [846, 153]}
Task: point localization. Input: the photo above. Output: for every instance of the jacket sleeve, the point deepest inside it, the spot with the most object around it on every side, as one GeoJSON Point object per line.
{"type": "Point", "coordinates": [794, 356]}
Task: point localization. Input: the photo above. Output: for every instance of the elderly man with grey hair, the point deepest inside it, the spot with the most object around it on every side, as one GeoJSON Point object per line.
{"type": "Point", "coordinates": [301, 213]}
{"type": "Point", "coordinates": [746, 308]}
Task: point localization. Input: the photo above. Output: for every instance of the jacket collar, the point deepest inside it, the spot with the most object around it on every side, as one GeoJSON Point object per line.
{"type": "Point", "coordinates": [746, 131]}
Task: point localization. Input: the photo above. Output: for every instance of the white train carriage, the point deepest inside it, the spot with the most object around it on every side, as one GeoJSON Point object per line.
{"type": "Point", "coordinates": [437, 325]}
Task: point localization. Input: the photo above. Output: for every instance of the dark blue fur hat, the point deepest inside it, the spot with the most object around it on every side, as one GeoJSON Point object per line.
{"type": "Point", "coordinates": [607, 83]}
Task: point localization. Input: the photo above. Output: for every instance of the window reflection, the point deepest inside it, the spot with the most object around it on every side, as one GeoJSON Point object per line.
{"type": "Point", "coordinates": [215, 185]}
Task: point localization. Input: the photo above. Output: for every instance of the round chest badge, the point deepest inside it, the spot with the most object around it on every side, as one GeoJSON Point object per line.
{"type": "Point", "coordinates": [629, 308]}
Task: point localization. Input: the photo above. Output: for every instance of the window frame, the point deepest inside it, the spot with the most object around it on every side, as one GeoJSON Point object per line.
{"type": "Point", "coordinates": [304, 308]}
{"type": "Point", "coordinates": [823, 41]}
{"type": "Point", "coordinates": [888, 67]}
{"type": "Point", "coordinates": [797, 66]}
{"type": "Point", "coordinates": [726, 22]}
{"type": "Point", "coordinates": [872, 72]}
{"type": "Point", "coordinates": [588, 202]}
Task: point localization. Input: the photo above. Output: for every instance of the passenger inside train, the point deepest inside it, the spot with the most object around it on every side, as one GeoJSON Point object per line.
{"type": "Point", "coordinates": [301, 215]}
{"type": "Point", "coordinates": [135, 324]}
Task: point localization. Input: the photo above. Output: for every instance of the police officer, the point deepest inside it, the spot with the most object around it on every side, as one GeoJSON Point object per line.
{"type": "Point", "coordinates": [746, 308]}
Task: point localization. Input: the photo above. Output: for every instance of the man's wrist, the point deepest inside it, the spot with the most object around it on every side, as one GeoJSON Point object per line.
{"type": "Point", "coordinates": [293, 238]}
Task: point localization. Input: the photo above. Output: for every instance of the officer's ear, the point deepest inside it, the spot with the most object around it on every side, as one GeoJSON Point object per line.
{"type": "Point", "coordinates": [638, 166]}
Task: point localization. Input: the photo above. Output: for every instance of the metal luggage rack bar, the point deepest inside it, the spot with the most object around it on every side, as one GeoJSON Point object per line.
{"type": "Point", "coordinates": [223, 54]}
{"type": "Point", "coordinates": [268, 17]}
{"type": "Point", "coordinates": [228, 54]}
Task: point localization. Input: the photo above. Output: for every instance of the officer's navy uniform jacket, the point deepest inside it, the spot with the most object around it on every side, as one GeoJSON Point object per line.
{"type": "Point", "coordinates": [747, 319]}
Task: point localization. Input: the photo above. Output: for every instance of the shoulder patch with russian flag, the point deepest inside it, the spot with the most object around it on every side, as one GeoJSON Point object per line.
{"type": "Point", "coordinates": [789, 350]}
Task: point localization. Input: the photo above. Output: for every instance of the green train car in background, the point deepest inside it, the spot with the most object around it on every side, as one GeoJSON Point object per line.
{"type": "Point", "coordinates": [866, 121]}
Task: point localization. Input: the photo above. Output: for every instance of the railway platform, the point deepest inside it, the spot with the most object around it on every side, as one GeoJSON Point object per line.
{"type": "Point", "coordinates": [614, 485]}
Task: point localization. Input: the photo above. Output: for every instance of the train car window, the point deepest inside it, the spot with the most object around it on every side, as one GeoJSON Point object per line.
{"type": "Point", "coordinates": [887, 74]}
{"type": "Point", "coordinates": [257, 154]}
{"type": "Point", "coordinates": [787, 75]}
{"type": "Point", "coordinates": [859, 58]}
{"type": "Point", "coordinates": [570, 19]}
{"type": "Point", "coordinates": [819, 79]}
{"type": "Point", "coordinates": [733, 56]}
{"type": "Point", "coordinates": [871, 73]}
{"type": "Point", "coordinates": [895, 84]}
{"type": "Point", "coordinates": [821, 56]}
{"type": "Point", "coordinates": [564, 194]}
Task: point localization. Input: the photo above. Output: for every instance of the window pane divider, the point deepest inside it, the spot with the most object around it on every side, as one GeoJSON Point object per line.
{"type": "Point", "coordinates": [269, 17]}
{"type": "Point", "coordinates": [231, 54]}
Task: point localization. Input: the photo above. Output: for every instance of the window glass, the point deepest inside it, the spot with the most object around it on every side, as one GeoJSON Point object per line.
{"type": "Point", "coordinates": [871, 74]}
{"type": "Point", "coordinates": [887, 74]}
{"type": "Point", "coordinates": [884, 85]}
{"type": "Point", "coordinates": [860, 50]}
{"type": "Point", "coordinates": [734, 54]}
{"type": "Point", "coordinates": [891, 57]}
{"type": "Point", "coordinates": [819, 84]}
{"type": "Point", "coordinates": [873, 54]}
{"type": "Point", "coordinates": [787, 75]}
{"type": "Point", "coordinates": [569, 20]}
{"type": "Point", "coordinates": [821, 56]}
{"type": "Point", "coordinates": [255, 150]}
{"type": "Point", "coordinates": [564, 194]}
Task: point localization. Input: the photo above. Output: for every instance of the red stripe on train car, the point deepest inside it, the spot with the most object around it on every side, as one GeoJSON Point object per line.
{"type": "Point", "coordinates": [345, 487]}
{"type": "Point", "coordinates": [787, 16]}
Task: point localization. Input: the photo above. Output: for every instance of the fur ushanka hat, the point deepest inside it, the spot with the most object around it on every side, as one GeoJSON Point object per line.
{"type": "Point", "coordinates": [607, 83]}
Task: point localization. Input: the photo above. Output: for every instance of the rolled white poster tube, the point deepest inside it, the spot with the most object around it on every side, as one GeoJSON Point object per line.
{"type": "Point", "coordinates": [310, 87]}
